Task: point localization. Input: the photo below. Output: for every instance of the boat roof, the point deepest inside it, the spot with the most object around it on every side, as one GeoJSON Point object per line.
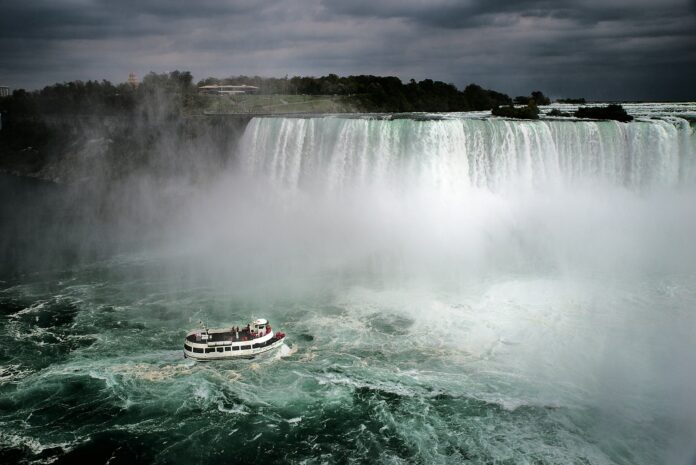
{"type": "Point", "coordinates": [261, 321]}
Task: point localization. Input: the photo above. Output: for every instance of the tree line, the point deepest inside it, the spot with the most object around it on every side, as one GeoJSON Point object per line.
{"type": "Point", "coordinates": [100, 97]}
{"type": "Point", "coordinates": [177, 91]}
{"type": "Point", "coordinates": [378, 93]}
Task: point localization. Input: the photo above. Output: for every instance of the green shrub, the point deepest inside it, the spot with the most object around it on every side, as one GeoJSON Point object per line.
{"type": "Point", "coordinates": [527, 112]}
{"type": "Point", "coordinates": [610, 112]}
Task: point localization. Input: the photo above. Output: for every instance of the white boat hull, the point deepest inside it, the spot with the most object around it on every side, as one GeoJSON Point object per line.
{"type": "Point", "coordinates": [248, 353]}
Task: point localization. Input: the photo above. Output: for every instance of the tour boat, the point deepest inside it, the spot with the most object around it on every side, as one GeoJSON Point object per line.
{"type": "Point", "coordinates": [220, 344]}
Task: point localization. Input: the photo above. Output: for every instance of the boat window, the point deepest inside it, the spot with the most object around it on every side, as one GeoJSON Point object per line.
{"type": "Point", "coordinates": [220, 349]}
{"type": "Point", "coordinates": [207, 351]}
{"type": "Point", "coordinates": [227, 349]}
{"type": "Point", "coordinates": [197, 350]}
{"type": "Point", "coordinates": [187, 347]}
{"type": "Point", "coordinates": [235, 347]}
{"type": "Point", "coordinates": [246, 347]}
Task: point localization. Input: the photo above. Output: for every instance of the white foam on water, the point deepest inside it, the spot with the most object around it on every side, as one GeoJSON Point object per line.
{"type": "Point", "coordinates": [285, 351]}
{"type": "Point", "coordinates": [150, 372]}
{"type": "Point", "coordinates": [34, 445]}
{"type": "Point", "coordinates": [13, 373]}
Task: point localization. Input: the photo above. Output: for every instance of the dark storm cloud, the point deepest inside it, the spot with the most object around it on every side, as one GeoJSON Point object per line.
{"type": "Point", "coordinates": [447, 14]}
{"type": "Point", "coordinates": [468, 13]}
{"type": "Point", "coordinates": [621, 49]}
{"type": "Point", "coordinates": [66, 20]}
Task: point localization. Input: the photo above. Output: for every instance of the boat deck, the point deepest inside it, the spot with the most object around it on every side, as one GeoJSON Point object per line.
{"type": "Point", "coordinates": [244, 335]}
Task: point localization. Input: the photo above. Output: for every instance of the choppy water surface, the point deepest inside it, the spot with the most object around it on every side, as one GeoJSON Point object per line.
{"type": "Point", "coordinates": [507, 297]}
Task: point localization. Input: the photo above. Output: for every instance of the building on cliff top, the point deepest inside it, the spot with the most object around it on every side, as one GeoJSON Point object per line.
{"type": "Point", "coordinates": [228, 89]}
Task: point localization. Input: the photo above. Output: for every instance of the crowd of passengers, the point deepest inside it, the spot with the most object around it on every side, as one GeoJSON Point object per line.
{"type": "Point", "coordinates": [246, 334]}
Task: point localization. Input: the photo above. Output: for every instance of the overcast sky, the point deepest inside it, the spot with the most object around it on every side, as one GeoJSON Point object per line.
{"type": "Point", "coordinates": [600, 49]}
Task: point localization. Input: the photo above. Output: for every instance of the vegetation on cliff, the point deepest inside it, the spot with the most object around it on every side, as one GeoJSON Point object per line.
{"type": "Point", "coordinates": [529, 111]}
{"type": "Point", "coordinates": [378, 93]}
{"type": "Point", "coordinates": [610, 112]}
{"type": "Point", "coordinates": [537, 98]}
{"type": "Point", "coordinates": [175, 93]}
{"type": "Point", "coordinates": [575, 101]}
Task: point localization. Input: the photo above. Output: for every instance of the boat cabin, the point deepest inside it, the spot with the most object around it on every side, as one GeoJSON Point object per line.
{"type": "Point", "coordinates": [261, 326]}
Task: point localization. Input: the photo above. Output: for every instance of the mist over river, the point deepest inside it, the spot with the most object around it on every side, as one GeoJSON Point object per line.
{"type": "Point", "coordinates": [454, 289]}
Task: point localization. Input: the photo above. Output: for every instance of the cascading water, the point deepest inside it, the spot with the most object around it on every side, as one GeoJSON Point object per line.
{"type": "Point", "coordinates": [454, 290]}
{"type": "Point", "coordinates": [456, 154]}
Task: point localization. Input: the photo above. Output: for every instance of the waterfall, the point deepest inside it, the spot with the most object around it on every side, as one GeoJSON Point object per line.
{"type": "Point", "coordinates": [452, 155]}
